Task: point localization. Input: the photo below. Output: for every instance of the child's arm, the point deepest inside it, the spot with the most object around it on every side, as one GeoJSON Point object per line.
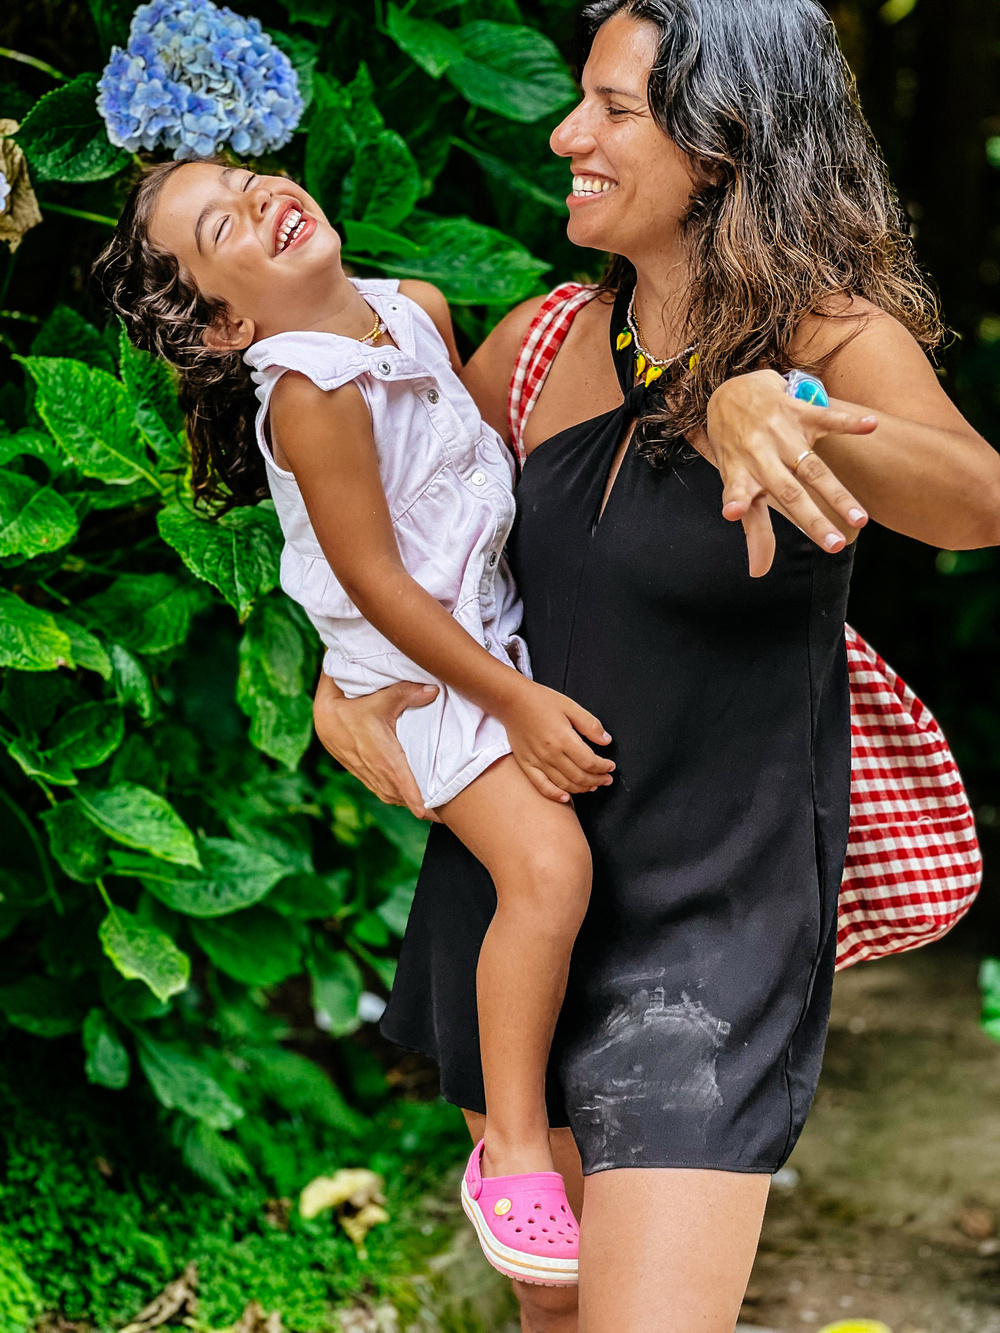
{"type": "Point", "coordinates": [327, 439]}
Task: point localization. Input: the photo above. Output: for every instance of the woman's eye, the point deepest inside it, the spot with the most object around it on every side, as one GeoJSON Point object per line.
{"type": "Point", "coordinates": [617, 111]}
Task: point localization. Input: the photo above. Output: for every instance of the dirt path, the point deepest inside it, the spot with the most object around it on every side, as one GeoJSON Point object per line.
{"type": "Point", "coordinates": [895, 1210]}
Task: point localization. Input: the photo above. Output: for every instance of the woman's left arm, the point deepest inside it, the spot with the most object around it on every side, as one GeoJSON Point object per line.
{"type": "Point", "coordinates": [916, 466]}
{"type": "Point", "coordinates": [924, 471]}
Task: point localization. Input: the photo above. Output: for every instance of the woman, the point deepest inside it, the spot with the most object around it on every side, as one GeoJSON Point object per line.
{"type": "Point", "coordinates": [719, 153]}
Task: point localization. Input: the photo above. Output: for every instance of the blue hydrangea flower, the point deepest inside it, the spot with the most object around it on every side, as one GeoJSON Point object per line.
{"type": "Point", "coordinates": [4, 192]}
{"type": "Point", "coordinates": [194, 77]}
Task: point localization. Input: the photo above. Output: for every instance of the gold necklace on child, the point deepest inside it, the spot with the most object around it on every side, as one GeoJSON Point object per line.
{"type": "Point", "coordinates": [377, 329]}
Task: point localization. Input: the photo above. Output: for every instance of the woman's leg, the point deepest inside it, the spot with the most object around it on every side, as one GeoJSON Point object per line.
{"type": "Point", "coordinates": [547, 1309]}
{"type": "Point", "coordinates": [667, 1251]}
{"type": "Point", "coordinates": [538, 857]}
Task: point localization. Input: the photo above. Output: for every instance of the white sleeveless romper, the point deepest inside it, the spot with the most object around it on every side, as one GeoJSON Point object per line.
{"type": "Point", "coordinates": [448, 480]}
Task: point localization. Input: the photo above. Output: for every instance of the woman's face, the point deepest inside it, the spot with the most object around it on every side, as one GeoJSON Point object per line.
{"type": "Point", "coordinates": [632, 186]}
{"type": "Point", "coordinates": [260, 243]}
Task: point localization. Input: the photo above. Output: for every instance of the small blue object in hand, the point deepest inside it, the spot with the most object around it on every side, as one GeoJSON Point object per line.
{"type": "Point", "coordinates": [806, 388]}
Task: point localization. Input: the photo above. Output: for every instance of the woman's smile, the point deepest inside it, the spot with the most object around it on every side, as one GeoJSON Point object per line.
{"type": "Point", "coordinates": [588, 187]}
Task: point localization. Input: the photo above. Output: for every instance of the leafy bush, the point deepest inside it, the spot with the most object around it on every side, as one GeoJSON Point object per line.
{"type": "Point", "coordinates": [191, 891]}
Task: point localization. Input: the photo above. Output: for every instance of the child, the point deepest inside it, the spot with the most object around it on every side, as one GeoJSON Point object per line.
{"type": "Point", "coordinates": [395, 501]}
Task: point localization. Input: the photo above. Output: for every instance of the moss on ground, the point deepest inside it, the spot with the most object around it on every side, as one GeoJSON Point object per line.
{"type": "Point", "coordinates": [97, 1213]}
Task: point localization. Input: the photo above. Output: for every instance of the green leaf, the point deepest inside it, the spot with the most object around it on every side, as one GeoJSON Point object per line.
{"type": "Point", "coordinates": [143, 953]}
{"type": "Point", "coordinates": [112, 19]}
{"type": "Point", "coordinates": [149, 613]}
{"type": "Point", "coordinates": [30, 639]}
{"type": "Point", "coordinates": [271, 687]}
{"type": "Point", "coordinates": [255, 946]}
{"type": "Point", "coordinates": [212, 1158]}
{"type": "Point", "coordinates": [137, 817]}
{"type": "Point", "coordinates": [512, 181]}
{"type": "Point", "coordinates": [401, 828]}
{"type": "Point", "coordinates": [302, 1088]}
{"type": "Point", "coordinates": [77, 844]}
{"type": "Point", "coordinates": [514, 71]}
{"type": "Point", "coordinates": [33, 519]}
{"type": "Point", "coordinates": [330, 144]}
{"type": "Point", "coordinates": [337, 984]}
{"type": "Point", "coordinates": [237, 553]}
{"type": "Point", "coordinates": [472, 264]}
{"type": "Point", "coordinates": [34, 443]}
{"type": "Point", "coordinates": [311, 897]}
{"type": "Point", "coordinates": [91, 418]}
{"type": "Point", "coordinates": [108, 1062]}
{"type": "Point", "coordinates": [183, 1082]}
{"type": "Point", "coordinates": [152, 387]}
{"type": "Point", "coordinates": [37, 764]}
{"type": "Point", "coordinates": [67, 333]}
{"type": "Point", "coordinates": [132, 685]}
{"type": "Point", "coordinates": [41, 1006]}
{"type": "Point", "coordinates": [235, 877]}
{"type": "Point", "coordinates": [33, 700]}
{"type": "Point", "coordinates": [431, 45]}
{"type": "Point", "coordinates": [318, 12]}
{"type": "Point", "coordinates": [87, 735]}
{"type": "Point", "coordinates": [65, 138]}
{"type": "Point", "coordinates": [386, 181]}
{"type": "Point", "coordinates": [366, 238]}
{"type": "Point", "coordinates": [86, 648]}
{"type": "Point", "coordinates": [395, 910]}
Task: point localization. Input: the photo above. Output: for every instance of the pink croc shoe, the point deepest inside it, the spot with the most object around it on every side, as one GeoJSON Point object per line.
{"type": "Point", "coordinates": [524, 1224]}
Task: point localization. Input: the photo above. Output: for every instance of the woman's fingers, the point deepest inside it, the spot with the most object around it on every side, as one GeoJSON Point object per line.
{"type": "Point", "coordinates": [816, 475]}
{"type": "Point", "coordinates": [740, 491]}
{"type": "Point", "coordinates": [760, 537]}
{"type": "Point", "coordinates": [835, 420]}
{"type": "Point", "coordinates": [397, 699]}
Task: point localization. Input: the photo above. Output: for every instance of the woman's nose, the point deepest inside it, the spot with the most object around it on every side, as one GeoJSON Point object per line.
{"type": "Point", "coordinates": [572, 136]}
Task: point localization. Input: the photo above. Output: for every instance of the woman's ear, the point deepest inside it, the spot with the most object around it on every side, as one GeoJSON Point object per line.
{"type": "Point", "coordinates": [229, 335]}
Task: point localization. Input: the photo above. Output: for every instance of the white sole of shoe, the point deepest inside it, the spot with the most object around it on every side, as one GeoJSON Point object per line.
{"type": "Point", "coordinates": [539, 1271]}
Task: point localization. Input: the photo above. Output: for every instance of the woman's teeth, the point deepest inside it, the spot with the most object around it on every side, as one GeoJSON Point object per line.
{"type": "Point", "coordinates": [289, 229]}
{"type": "Point", "coordinates": [583, 185]}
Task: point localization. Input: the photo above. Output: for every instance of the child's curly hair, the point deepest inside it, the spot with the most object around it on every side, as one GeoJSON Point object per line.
{"type": "Point", "coordinates": [164, 313]}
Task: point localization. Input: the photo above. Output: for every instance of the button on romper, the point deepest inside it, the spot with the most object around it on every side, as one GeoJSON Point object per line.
{"type": "Point", "coordinates": [448, 481]}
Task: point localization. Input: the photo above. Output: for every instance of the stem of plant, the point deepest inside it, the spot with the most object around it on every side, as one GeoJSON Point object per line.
{"type": "Point", "coordinates": [81, 213]}
{"type": "Point", "coordinates": [104, 894]}
{"type": "Point", "coordinates": [33, 60]}
{"type": "Point", "coordinates": [40, 852]}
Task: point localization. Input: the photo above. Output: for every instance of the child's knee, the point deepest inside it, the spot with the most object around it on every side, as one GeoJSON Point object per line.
{"type": "Point", "coordinates": [550, 879]}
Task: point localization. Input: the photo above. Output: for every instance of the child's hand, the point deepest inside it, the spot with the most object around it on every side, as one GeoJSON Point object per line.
{"type": "Point", "coordinates": [545, 730]}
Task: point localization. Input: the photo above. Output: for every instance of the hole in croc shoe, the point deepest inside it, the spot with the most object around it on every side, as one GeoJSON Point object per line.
{"type": "Point", "coordinates": [563, 1207]}
{"type": "Point", "coordinates": [538, 1206]}
{"type": "Point", "coordinates": [517, 1228]}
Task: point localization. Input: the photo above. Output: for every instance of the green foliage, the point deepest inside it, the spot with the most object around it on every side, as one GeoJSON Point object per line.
{"type": "Point", "coordinates": [185, 870]}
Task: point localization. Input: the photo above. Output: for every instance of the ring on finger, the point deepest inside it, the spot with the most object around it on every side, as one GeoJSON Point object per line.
{"type": "Point", "coordinates": [802, 458]}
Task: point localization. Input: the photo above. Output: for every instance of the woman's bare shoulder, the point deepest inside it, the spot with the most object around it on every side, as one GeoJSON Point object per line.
{"type": "Point", "coordinates": [488, 373]}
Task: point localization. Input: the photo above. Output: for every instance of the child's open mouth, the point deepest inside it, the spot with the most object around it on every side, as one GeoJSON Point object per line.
{"type": "Point", "coordinates": [293, 226]}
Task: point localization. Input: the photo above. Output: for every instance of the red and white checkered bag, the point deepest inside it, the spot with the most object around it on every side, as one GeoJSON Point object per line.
{"type": "Point", "coordinates": [913, 865]}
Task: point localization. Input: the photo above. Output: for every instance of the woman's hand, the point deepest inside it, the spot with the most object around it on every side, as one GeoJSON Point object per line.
{"type": "Point", "coordinates": [545, 729]}
{"type": "Point", "coordinates": [361, 735]}
{"type": "Point", "coordinates": [762, 441]}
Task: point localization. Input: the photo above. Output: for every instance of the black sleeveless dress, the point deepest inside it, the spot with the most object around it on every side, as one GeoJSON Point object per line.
{"type": "Point", "coordinates": [695, 1018]}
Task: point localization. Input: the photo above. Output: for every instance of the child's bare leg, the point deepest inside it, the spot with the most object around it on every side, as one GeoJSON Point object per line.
{"type": "Point", "coordinates": [538, 857]}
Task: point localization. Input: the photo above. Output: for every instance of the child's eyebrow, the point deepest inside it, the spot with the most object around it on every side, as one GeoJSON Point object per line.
{"type": "Point", "coordinates": [206, 212]}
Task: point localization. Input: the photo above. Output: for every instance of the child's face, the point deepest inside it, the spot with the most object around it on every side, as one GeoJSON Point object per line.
{"type": "Point", "coordinates": [230, 232]}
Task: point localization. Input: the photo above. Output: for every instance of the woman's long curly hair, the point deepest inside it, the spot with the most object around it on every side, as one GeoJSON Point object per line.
{"type": "Point", "coordinates": [164, 313]}
{"type": "Point", "coordinates": [793, 208]}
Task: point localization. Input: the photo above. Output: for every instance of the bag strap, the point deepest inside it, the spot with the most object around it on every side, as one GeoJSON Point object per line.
{"type": "Point", "coordinates": [538, 350]}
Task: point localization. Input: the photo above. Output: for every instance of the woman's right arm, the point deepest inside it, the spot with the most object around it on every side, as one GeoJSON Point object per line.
{"type": "Point", "coordinates": [361, 735]}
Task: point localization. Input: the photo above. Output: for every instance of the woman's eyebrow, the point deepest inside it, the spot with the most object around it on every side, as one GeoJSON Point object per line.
{"type": "Point", "coordinates": [207, 211]}
{"type": "Point", "coordinates": [604, 91]}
